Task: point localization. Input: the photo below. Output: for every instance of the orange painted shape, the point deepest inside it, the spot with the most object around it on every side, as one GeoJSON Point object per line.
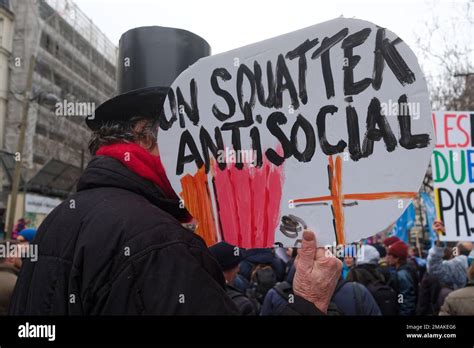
{"type": "Point", "coordinates": [379, 195]}
{"type": "Point", "coordinates": [337, 198]}
{"type": "Point", "coordinates": [197, 199]}
{"type": "Point", "coordinates": [313, 199]}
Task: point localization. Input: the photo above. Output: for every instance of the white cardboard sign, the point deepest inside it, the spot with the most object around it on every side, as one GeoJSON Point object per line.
{"type": "Point", "coordinates": [453, 173]}
{"type": "Point", "coordinates": [327, 128]}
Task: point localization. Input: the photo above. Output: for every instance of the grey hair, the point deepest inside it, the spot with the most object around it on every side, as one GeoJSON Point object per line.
{"type": "Point", "coordinates": [112, 132]}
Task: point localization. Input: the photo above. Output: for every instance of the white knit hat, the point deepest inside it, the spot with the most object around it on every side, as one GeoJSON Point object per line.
{"type": "Point", "coordinates": [368, 254]}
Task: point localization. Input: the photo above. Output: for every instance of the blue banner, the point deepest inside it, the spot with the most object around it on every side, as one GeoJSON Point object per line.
{"type": "Point", "coordinates": [404, 224]}
{"type": "Point", "coordinates": [430, 210]}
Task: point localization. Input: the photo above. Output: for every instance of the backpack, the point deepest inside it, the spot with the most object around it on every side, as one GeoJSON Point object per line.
{"type": "Point", "coordinates": [263, 279]}
{"type": "Point", "coordinates": [385, 296]}
{"type": "Point", "coordinates": [245, 306]}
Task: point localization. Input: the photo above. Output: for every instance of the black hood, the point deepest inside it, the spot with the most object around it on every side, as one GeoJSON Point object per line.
{"type": "Point", "coordinates": [104, 171]}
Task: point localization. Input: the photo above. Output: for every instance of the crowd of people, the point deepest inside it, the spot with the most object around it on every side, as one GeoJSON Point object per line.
{"type": "Point", "coordinates": [388, 278]}
{"type": "Point", "coordinates": [120, 245]}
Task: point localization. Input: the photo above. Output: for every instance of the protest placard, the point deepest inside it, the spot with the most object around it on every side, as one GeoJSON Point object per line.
{"type": "Point", "coordinates": [453, 173]}
{"type": "Point", "coordinates": [327, 128]}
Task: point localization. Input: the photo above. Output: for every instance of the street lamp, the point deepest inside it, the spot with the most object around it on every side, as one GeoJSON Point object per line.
{"type": "Point", "coordinates": [39, 97]}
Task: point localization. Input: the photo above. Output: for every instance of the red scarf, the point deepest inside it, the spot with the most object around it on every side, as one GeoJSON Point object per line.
{"type": "Point", "coordinates": [142, 163]}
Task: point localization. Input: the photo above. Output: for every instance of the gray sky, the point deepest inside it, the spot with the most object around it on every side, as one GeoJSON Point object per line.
{"type": "Point", "coordinates": [228, 24]}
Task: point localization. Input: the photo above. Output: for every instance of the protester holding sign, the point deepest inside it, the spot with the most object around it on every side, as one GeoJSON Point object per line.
{"type": "Point", "coordinates": [117, 246]}
{"type": "Point", "coordinates": [450, 272]}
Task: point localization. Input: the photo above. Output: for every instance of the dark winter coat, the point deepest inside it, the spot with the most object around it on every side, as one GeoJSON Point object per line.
{"type": "Point", "coordinates": [116, 248]}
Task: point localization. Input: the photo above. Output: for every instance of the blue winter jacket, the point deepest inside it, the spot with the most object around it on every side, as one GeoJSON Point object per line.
{"type": "Point", "coordinates": [406, 288]}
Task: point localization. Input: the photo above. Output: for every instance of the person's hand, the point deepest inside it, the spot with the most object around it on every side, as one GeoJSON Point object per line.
{"type": "Point", "coordinates": [317, 273]}
{"type": "Point", "coordinates": [438, 227]}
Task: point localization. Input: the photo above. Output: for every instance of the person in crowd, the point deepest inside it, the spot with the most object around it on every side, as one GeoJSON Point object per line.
{"type": "Point", "coordinates": [349, 298]}
{"type": "Point", "coordinates": [384, 268]}
{"type": "Point", "coordinates": [431, 295]}
{"type": "Point", "coordinates": [277, 299]}
{"type": "Point", "coordinates": [260, 256]}
{"type": "Point", "coordinates": [453, 271]}
{"type": "Point", "coordinates": [366, 267]}
{"type": "Point", "coordinates": [229, 256]}
{"type": "Point", "coordinates": [397, 255]}
{"type": "Point", "coordinates": [461, 301]}
{"type": "Point", "coordinates": [290, 274]}
{"type": "Point", "coordinates": [19, 226]}
{"type": "Point", "coordinates": [285, 296]}
{"type": "Point", "coordinates": [434, 289]}
{"type": "Point", "coordinates": [289, 270]}
{"type": "Point", "coordinates": [281, 295]}
{"type": "Point", "coordinates": [352, 298]}
{"type": "Point", "coordinates": [26, 235]}
{"type": "Point", "coordinates": [348, 261]}
{"type": "Point", "coordinates": [389, 241]}
{"type": "Point", "coordinates": [416, 260]}
{"type": "Point", "coordinates": [10, 264]}
{"type": "Point", "coordinates": [382, 251]}
{"type": "Point", "coordinates": [118, 245]}
{"type": "Point", "coordinates": [367, 272]}
{"type": "Point", "coordinates": [2, 231]}
{"type": "Point", "coordinates": [315, 279]}
{"type": "Point", "coordinates": [388, 271]}
{"type": "Point", "coordinates": [446, 271]}
{"type": "Point", "coordinates": [260, 269]}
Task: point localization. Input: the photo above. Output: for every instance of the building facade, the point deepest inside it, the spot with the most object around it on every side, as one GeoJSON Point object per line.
{"type": "Point", "coordinates": [73, 62]}
{"type": "Point", "coordinates": [6, 41]}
